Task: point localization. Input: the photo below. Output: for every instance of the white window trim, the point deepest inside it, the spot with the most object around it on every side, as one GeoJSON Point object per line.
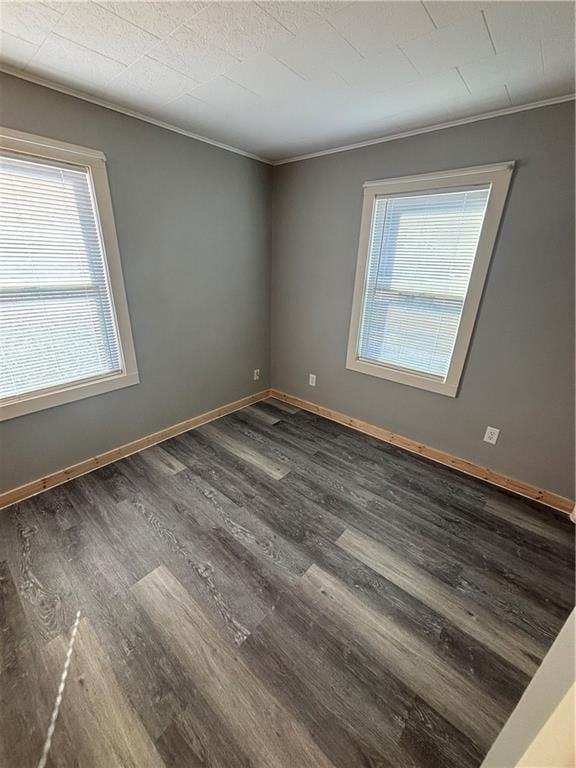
{"type": "Point", "coordinates": [95, 161]}
{"type": "Point", "coordinates": [498, 176]}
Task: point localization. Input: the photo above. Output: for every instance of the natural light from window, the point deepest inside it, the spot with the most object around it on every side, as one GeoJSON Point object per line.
{"type": "Point", "coordinates": [57, 320]}
{"type": "Point", "coordinates": [422, 249]}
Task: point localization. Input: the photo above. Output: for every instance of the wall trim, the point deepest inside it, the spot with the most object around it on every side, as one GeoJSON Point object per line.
{"type": "Point", "coordinates": [519, 487]}
{"type": "Point", "coordinates": [496, 177]}
{"type": "Point", "coordinates": [92, 163]}
{"type": "Point", "coordinates": [8, 70]}
{"type": "Point", "coordinates": [35, 487]}
{"type": "Point", "coordinates": [430, 128]}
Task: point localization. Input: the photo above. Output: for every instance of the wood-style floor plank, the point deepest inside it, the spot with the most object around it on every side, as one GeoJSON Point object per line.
{"type": "Point", "coordinates": [430, 739]}
{"type": "Point", "coordinates": [516, 648]}
{"type": "Point", "coordinates": [252, 413]}
{"type": "Point", "coordinates": [258, 722]}
{"type": "Point", "coordinates": [101, 582]}
{"type": "Point", "coordinates": [503, 682]}
{"type": "Point", "coordinates": [275, 589]}
{"type": "Point", "coordinates": [197, 738]}
{"type": "Point", "coordinates": [442, 686]}
{"type": "Point", "coordinates": [103, 728]}
{"type": "Point", "coordinates": [42, 586]}
{"type": "Point", "coordinates": [328, 680]}
{"type": "Point", "coordinates": [23, 707]}
{"type": "Point", "coordinates": [245, 452]}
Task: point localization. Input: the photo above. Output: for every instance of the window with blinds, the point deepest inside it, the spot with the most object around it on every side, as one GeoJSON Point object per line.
{"type": "Point", "coordinates": [425, 247]}
{"type": "Point", "coordinates": [422, 249]}
{"type": "Point", "coordinates": [57, 320]}
{"type": "Point", "coordinates": [64, 324]}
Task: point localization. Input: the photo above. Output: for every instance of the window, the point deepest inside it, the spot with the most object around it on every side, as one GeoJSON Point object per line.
{"type": "Point", "coordinates": [425, 247]}
{"type": "Point", "coordinates": [64, 326]}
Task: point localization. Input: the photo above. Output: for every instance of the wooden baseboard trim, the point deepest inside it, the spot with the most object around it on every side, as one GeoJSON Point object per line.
{"type": "Point", "coordinates": [88, 465]}
{"type": "Point", "coordinates": [519, 487]}
{"type": "Point", "coordinates": [548, 498]}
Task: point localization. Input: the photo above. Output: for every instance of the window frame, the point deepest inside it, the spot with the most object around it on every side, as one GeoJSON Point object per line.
{"type": "Point", "coordinates": [498, 175]}
{"type": "Point", "coordinates": [94, 161]}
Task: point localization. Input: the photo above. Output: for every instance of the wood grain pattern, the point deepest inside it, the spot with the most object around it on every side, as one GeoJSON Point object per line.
{"type": "Point", "coordinates": [245, 452]}
{"type": "Point", "coordinates": [103, 728]}
{"type": "Point", "coordinates": [288, 404]}
{"type": "Point", "coordinates": [23, 709]}
{"type": "Point", "coordinates": [275, 590]}
{"type": "Point", "coordinates": [554, 500]}
{"type": "Point", "coordinates": [517, 648]}
{"type": "Point", "coordinates": [443, 687]}
{"type": "Point", "coordinates": [64, 475]}
{"type": "Point", "coordinates": [41, 583]}
{"type": "Point", "coordinates": [266, 731]}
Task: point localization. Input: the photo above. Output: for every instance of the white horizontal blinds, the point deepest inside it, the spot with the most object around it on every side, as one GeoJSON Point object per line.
{"type": "Point", "coordinates": [57, 322]}
{"type": "Point", "coordinates": [422, 250]}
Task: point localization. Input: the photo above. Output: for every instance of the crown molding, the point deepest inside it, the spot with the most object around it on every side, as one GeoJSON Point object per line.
{"type": "Point", "coordinates": [125, 111]}
{"type": "Point", "coordinates": [429, 129]}
{"type": "Point", "coordinates": [309, 156]}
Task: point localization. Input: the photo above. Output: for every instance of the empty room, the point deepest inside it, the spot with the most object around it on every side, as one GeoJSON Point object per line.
{"type": "Point", "coordinates": [287, 384]}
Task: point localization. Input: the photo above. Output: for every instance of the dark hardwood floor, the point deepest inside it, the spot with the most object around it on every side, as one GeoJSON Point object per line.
{"type": "Point", "coordinates": [278, 591]}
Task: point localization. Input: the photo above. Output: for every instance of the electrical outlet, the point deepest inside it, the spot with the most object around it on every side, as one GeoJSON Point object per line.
{"type": "Point", "coordinates": [312, 379]}
{"type": "Point", "coordinates": [256, 374]}
{"type": "Point", "coordinates": [491, 435]}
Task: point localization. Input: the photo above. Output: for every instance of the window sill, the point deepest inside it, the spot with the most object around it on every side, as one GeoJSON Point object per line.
{"type": "Point", "coordinates": [440, 387]}
{"type": "Point", "coordinates": [66, 394]}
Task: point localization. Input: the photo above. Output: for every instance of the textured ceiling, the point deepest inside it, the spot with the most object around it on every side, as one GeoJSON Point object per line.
{"type": "Point", "coordinates": [279, 79]}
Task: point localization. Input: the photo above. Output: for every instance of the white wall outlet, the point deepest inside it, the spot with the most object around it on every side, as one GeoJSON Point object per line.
{"type": "Point", "coordinates": [312, 379]}
{"type": "Point", "coordinates": [491, 435]}
{"type": "Point", "coordinates": [256, 374]}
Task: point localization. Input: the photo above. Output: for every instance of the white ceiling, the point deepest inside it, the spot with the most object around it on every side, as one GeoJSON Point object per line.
{"type": "Point", "coordinates": [279, 79]}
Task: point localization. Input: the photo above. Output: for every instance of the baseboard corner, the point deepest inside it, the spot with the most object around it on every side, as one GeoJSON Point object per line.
{"type": "Point", "coordinates": [34, 487]}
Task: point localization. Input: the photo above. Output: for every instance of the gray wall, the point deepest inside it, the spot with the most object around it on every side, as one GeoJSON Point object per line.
{"type": "Point", "coordinates": [194, 227]}
{"type": "Point", "coordinates": [192, 224]}
{"type": "Point", "coordinates": [520, 370]}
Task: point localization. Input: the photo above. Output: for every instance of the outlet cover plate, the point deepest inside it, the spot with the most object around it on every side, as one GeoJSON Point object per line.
{"type": "Point", "coordinates": [491, 435]}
